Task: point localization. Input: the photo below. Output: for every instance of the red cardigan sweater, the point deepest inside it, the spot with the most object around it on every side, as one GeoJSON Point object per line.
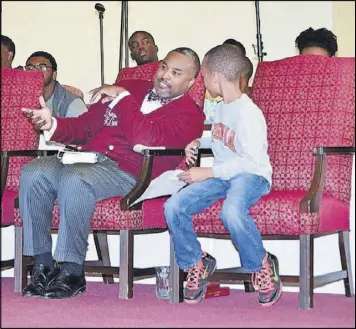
{"type": "Point", "coordinates": [173, 125]}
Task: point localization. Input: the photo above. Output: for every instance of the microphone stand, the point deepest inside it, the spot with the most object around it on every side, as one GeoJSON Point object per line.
{"type": "Point", "coordinates": [100, 8]}
{"type": "Point", "coordinates": [124, 38]}
{"type": "Point", "coordinates": [259, 52]}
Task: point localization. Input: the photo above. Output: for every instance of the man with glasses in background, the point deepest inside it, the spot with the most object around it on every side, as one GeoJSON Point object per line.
{"type": "Point", "coordinates": [62, 102]}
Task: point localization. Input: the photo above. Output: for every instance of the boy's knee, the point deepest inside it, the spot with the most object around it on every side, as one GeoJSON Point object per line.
{"type": "Point", "coordinates": [234, 210]}
{"type": "Point", "coordinates": [171, 206]}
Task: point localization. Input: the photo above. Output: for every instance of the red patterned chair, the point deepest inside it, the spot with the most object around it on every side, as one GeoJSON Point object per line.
{"type": "Point", "coordinates": [309, 106]}
{"type": "Point", "coordinates": [19, 144]}
{"type": "Point", "coordinates": [18, 89]}
{"type": "Point", "coordinates": [112, 215]}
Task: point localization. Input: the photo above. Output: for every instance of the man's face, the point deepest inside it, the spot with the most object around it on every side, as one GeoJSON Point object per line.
{"type": "Point", "coordinates": [143, 50]}
{"type": "Point", "coordinates": [6, 57]}
{"type": "Point", "coordinates": [210, 81]}
{"type": "Point", "coordinates": [174, 76]}
{"type": "Point", "coordinates": [315, 51]}
{"type": "Point", "coordinates": [44, 65]}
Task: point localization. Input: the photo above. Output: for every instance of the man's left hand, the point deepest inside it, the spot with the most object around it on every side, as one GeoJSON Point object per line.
{"type": "Point", "coordinates": [195, 174]}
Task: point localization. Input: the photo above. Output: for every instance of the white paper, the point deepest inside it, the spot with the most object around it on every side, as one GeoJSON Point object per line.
{"type": "Point", "coordinates": [78, 157]}
{"type": "Point", "coordinates": [166, 184]}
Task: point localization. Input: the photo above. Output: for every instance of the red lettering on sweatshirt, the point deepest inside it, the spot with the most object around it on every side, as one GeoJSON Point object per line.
{"type": "Point", "coordinates": [224, 134]}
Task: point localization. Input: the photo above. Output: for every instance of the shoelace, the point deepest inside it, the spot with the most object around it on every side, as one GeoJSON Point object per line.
{"type": "Point", "coordinates": [194, 276]}
{"type": "Point", "coordinates": [262, 281]}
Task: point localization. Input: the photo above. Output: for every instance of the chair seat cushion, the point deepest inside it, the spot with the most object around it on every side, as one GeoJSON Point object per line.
{"type": "Point", "coordinates": [276, 213]}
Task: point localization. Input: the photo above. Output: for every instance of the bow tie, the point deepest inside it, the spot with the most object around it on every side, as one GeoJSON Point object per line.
{"type": "Point", "coordinates": [152, 96]}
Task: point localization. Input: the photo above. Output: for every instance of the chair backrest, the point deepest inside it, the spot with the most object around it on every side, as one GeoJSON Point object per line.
{"type": "Point", "coordinates": [18, 89]}
{"type": "Point", "coordinates": [74, 90]}
{"type": "Point", "coordinates": [147, 72]}
{"type": "Point", "coordinates": [308, 101]}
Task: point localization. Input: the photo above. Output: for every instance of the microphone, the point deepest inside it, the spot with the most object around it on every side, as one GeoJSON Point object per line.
{"type": "Point", "coordinates": [99, 7]}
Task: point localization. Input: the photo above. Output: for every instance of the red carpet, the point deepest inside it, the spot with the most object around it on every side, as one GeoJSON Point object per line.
{"type": "Point", "coordinates": [100, 307]}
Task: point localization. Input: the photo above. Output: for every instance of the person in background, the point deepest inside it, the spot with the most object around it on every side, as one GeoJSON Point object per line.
{"type": "Point", "coordinates": [143, 48]}
{"type": "Point", "coordinates": [62, 102]}
{"type": "Point", "coordinates": [241, 173]}
{"type": "Point", "coordinates": [8, 51]}
{"type": "Point", "coordinates": [237, 44]}
{"type": "Point", "coordinates": [152, 113]}
{"type": "Point", "coordinates": [317, 42]}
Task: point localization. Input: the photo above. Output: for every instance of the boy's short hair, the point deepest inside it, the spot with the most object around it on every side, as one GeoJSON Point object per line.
{"type": "Point", "coordinates": [236, 44]}
{"type": "Point", "coordinates": [228, 61]}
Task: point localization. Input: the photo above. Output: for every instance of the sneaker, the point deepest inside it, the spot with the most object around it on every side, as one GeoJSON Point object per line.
{"type": "Point", "coordinates": [267, 281]}
{"type": "Point", "coordinates": [197, 279]}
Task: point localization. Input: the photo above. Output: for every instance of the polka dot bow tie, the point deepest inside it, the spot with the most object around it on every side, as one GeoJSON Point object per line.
{"type": "Point", "coordinates": [152, 96]}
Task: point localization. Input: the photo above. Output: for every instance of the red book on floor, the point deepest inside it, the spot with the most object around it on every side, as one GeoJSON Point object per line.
{"type": "Point", "coordinates": [214, 290]}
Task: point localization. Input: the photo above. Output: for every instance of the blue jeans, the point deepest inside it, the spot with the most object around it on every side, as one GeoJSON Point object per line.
{"type": "Point", "coordinates": [240, 193]}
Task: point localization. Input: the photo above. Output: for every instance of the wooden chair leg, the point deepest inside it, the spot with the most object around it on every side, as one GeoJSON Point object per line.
{"type": "Point", "coordinates": [248, 286]}
{"type": "Point", "coordinates": [306, 271]}
{"type": "Point", "coordinates": [102, 249]}
{"type": "Point", "coordinates": [126, 264]}
{"type": "Point", "coordinates": [345, 255]}
{"type": "Point", "coordinates": [19, 274]}
{"type": "Point", "coordinates": [176, 277]}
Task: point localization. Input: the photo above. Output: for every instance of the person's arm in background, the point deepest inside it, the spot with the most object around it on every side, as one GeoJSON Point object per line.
{"type": "Point", "coordinates": [76, 108]}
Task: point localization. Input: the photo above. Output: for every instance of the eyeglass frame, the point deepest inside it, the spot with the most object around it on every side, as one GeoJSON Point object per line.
{"type": "Point", "coordinates": [38, 67]}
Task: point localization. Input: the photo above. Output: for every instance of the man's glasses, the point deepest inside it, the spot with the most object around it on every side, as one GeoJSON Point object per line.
{"type": "Point", "coordinates": [37, 67]}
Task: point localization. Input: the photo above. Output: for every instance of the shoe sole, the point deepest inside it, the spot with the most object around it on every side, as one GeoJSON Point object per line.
{"type": "Point", "coordinates": [195, 301]}
{"type": "Point", "coordinates": [78, 292]}
{"type": "Point", "coordinates": [276, 299]}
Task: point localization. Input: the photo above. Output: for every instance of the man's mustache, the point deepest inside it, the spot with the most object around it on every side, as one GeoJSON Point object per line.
{"type": "Point", "coordinates": [164, 81]}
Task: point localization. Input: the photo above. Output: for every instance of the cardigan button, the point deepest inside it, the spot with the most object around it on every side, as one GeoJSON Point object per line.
{"type": "Point", "coordinates": [111, 147]}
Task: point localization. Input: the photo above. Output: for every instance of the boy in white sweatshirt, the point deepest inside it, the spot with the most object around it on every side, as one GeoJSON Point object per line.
{"type": "Point", "coordinates": [241, 173]}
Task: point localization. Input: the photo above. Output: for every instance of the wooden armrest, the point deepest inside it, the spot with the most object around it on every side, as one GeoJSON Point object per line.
{"type": "Point", "coordinates": [34, 153]}
{"type": "Point", "coordinates": [333, 150]}
{"type": "Point", "coordinates": [145, 177]}
{"type": "Point", "coordinates": [311, 201]}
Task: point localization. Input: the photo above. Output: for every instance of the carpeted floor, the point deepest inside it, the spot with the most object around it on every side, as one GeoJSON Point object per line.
{"type": "Point", "coordinates": [99, 306]}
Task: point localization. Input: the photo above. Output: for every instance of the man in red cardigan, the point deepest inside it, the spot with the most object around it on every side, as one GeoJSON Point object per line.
{"type": "Point", "coordinates": [153, 113]}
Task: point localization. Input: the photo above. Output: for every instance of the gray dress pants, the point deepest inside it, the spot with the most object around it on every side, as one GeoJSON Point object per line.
{"type": "Point", "coordinates": [77, 187]}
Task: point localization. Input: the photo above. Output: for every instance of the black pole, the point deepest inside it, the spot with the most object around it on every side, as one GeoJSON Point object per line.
{"type": "Point", "coordinates": [100, 8]}
{"type": "Point", "coordinates": [124, 36]}
{"type": "Point", "coordinates": [260, 52]}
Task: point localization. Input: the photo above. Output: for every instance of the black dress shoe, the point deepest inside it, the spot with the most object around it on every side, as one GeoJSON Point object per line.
{"type": "Point", "coordinates": [41, 276]}
{"type": "Point", "coordinates": [65, 285]}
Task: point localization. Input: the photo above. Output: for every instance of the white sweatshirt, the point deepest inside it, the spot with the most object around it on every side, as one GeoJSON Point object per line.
{"type": "Point", "coordinates": [239, 140]}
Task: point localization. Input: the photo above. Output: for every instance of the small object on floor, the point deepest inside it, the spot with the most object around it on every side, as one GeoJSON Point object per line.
{"type": "Point", "coordinates": [163, 289]}
{"type": "Point", "coordinates": [215, 290]}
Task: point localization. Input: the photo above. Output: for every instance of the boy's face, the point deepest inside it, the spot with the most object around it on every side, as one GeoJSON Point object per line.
{"type": "Point", "coordinates": [210, 81]}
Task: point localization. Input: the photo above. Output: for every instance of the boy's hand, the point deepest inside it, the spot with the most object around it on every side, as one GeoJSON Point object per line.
{"type": "Point", "coordinates": [195, 174]}
{"type": "Point", "coordinates": [190, 152]}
